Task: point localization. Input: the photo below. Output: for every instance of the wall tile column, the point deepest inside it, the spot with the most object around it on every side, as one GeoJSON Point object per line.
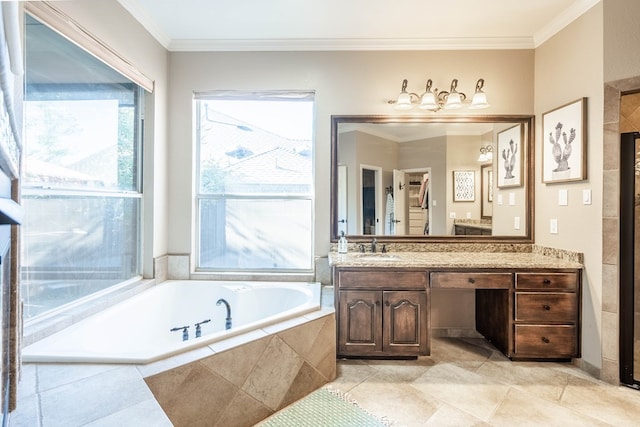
{"type": "Point", "coordinates": [617, 119]}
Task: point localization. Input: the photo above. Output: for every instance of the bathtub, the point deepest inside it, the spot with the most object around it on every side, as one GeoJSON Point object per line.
{"type": "Point", "coordinates": [148, 326]}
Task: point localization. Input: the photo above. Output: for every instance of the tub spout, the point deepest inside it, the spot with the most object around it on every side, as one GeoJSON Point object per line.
{"type": "Point", "coordinates": [227, 324]}
{"type": "Point", "coordinates": [185, 331]}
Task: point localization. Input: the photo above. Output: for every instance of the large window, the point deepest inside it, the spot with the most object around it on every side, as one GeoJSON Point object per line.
{"type": "Point", "coordinates": [81, 177]}
{"type": "Point", "coordinates": [255, 181]}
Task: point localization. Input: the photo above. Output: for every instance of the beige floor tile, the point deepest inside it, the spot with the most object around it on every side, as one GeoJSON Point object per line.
{"type": "Point", "coordinates": [532, 377]}
{"type": "Point", "coordinates": [618, 406]}
{"type": "Point", "coordinates": [400, 403]}
{"type": "Point", "coordinates": [144, 414]}
{"type": "Point", "coordinates": [448, 416]}
{"type": "Point", "coordinates": [350, 373]}
{"type": "Point", "coordinates": [473, 393]}
{"type": "Point", "coordinates": [92, 398]}
{"type": "Point", "coordinates": [520, 408]}
{"type": "Point", "coordinates": [468, 353]}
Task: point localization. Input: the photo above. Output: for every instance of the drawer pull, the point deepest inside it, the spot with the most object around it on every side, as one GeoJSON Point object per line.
{"type": "Point", "coordinates": [545, 340]}
{"type": "Point", "coordinates": [377, 303]}
{"type": "Point", "coordinates": [546, 307]}
{"type": "Point", "coordinates": [472, 280]}
{"type": "Point", "coordinates": [546, 281]}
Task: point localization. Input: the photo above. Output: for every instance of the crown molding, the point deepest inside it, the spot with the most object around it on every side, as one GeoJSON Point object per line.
{"type": "Point", "coordinates": [562, 20]}
{"type": "Point", "coordinates": [149, 24]}
{"type": "Point", "coordinates": [244, 45]}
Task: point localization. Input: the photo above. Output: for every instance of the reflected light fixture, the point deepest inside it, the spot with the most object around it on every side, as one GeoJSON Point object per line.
{"type": "Point", "coordinates": [486, 154]}
{"type": "Point", "coordinates": [435, 100]}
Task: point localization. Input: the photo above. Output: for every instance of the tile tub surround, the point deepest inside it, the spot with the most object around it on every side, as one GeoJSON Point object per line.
{"type": "Point", "coordinates": [245, 384]}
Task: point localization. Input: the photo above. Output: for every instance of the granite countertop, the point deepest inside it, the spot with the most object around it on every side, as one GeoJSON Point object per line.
{"type": "Point", "coordinates": [450, 260]}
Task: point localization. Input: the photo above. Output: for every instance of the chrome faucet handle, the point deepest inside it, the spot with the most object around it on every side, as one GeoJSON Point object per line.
{"type": "Point", "coordinates": [361, 246]}
{"type": "Point", "coordinates": [374, 244]}
{"type": "Point", "coordinates": [384, 248]}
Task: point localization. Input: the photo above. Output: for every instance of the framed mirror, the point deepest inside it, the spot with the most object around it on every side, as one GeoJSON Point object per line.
{"type": "Point", "coordinates": [432, 178]}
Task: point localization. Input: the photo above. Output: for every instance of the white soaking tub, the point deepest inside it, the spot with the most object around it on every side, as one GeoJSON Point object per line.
{"type": "Point", "coordinates": [149, 326]}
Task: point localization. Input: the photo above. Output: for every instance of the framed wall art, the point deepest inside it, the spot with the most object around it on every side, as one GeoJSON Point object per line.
{"type": "Point", "coordinates": [510, 157]}
{"type": "Point", "coordinates": [464, 186]}
{"type": "Point", "coordinates": [564, 143]}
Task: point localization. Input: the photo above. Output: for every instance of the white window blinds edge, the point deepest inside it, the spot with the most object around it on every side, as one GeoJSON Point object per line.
{"type": "Point", "coordinates": [270, 95]}
{"type": "Point", "coordinates": [67, 27]}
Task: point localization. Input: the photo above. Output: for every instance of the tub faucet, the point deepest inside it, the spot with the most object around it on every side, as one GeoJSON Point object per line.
{"type": "Point", "coordinates": [227, 323]}
{"type": "Point", "coordinates": [185, 331]}
{"type": "Point", "coordinates": [199, 329]}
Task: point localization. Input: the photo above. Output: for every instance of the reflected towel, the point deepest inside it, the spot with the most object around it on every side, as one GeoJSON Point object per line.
{"type": "Point", "coordinates": [389, 216]}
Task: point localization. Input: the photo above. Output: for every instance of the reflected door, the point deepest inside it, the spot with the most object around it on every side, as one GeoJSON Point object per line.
{"type": "Point", "coordinates": [342, 200]}
{"type": "Point", "coordinates": [400, 202]}
{"type": "Point", "coordinates": [630, 259]}
{"type": "Point", "coordinates": [370, 200]}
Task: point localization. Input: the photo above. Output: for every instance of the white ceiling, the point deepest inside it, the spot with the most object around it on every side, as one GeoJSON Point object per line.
{"type": "Point", "coordinates": [243, 25]}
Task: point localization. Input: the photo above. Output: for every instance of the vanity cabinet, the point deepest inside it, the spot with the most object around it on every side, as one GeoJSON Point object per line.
{"type": "Point", "coordinates": [547, 314]}
{"type": "Point", "coordinates": [526, 313]}
{"type": "Point", "coordinates": [470, 230]}
{"type": "Point", "coordinates": [381, 313]}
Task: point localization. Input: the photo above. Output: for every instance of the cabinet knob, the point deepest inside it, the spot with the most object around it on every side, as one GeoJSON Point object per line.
{"type": "Point", "coordinates": [546, 307]}
{"type": "Point", "coordinates": [387, 303]}
{"type": "Point", "coordinates": [545, 340]}
{"type": "Point", "coordinates": [546, 281]}
{"type": "Point", "coordinates": [377, 303]}
{"type": "Point", "coordinates": [472, 280]}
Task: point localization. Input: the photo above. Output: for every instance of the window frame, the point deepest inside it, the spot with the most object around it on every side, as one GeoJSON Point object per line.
{"type": "Point", "coordinates": [199, 197]}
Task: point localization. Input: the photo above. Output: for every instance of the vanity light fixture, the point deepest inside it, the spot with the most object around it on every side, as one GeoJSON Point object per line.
{"type": "Point", "coordinates": [435, 100]}
{"type": "Point", "coordinates": [486, 154]}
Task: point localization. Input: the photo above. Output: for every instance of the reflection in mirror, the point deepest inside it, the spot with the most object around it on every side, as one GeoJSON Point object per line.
{"type": "Point", "coordinates": [434, 178]}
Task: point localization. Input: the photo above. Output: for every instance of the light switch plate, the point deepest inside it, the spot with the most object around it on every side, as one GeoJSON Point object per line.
{"type": "Point", "coordinates": [516, 223]}
{"type": "Point", "coordinates": [586, 196]}
{"type": "Point", "coordinates": [452, 215]}
{"type": "Point", "coordinates": [468, 215]}
{"type": "Point", "coordinates": [563, 197]}
{"type": "Point", "coordinates": [512, 199]}
{"type": "Point", "coordinates": [500, 199]}
{"type": "Point", "coordinates": [553, 226]}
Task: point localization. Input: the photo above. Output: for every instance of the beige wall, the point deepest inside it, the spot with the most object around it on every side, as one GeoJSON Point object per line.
{"type": "Point", "coordinates": [113, 25]}
{"type": "Point", "coordinates": [567, 67]}
{"type": "Point", "coordinates": [345, 83]}
{"type": "Point", "coordinates": [572, 64]}
{"type": "Point", "coordinates": [621, 39]}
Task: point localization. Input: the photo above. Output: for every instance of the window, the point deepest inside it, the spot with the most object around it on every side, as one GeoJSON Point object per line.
{"type": "Point", "coordinates": [255, 181]}
{"type": "Point", "coordinates": [81, 177]}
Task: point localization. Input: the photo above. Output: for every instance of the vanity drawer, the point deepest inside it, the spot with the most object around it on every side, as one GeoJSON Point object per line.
{"type": "Point", "coordinates": [371, 278]}
{"type": "Point", "coordinates": [559, 341]}
{"type": "Point", "coordinates": [546, 307]}
{"type": "Point", "coordinates": [548, 281]}
{"type": "Point", "coordinates": [471, 280]}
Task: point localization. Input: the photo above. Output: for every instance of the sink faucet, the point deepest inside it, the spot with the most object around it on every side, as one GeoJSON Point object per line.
{"type": "Point", "coordinates": [374, 245]}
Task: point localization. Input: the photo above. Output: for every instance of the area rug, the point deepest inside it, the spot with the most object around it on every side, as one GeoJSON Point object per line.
{"type": "Point", "coordinates": [324, 408]}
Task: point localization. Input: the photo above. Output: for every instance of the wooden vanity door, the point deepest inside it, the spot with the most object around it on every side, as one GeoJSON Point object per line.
{"type": "Point", "coordinates": [360, 326]}
{"type": "Point", "coordinates": [404, 322]}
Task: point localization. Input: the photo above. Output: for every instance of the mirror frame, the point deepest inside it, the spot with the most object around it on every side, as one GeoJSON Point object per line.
{"type": "Point", "coordinates": [528, 176]}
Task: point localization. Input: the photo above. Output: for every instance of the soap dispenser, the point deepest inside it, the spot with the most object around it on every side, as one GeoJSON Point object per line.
{"type": "Point", "coordinates": [342, 244]}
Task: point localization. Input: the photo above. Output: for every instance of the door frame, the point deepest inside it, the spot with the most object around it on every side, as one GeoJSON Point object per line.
{"type": "Point", "coordinates": [627, 257]}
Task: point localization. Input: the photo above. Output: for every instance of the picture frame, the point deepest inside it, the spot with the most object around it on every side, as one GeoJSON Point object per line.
{"type": "Point", "coordinates": [464, 186]}
{"type": "Point", "coordinates": [510, 157]}
{"type": "Point", "coordinates": [564, 143]}
{"type": "Point", "coordinates": [486, 190]}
